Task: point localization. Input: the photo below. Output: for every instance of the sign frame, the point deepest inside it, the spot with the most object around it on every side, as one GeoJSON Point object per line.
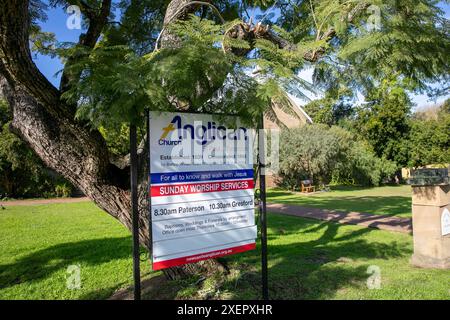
{"type": "Point", "coordinates": [244, 247]}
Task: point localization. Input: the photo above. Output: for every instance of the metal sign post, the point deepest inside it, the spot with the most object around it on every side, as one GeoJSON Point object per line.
{"type": "Point", "coordinates": [135, 212]}
{"type": "Point", "coordinates": [149, 198]}
{"type": "Point", "coordinates": [262, 208]}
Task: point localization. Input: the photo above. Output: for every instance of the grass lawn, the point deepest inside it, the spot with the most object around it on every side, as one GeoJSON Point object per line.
{"type": "Point", "coordinates": [387, 200]}
{"type": "Point", "coordinates": [308, 259]}
{"type": "Point", "coordinates": [38, 243]}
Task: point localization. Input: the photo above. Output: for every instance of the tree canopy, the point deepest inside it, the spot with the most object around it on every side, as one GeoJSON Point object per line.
{"type": "Point", "coordinates": [353, 46]}
{"type": "Point", "coordinates": [430, 137]}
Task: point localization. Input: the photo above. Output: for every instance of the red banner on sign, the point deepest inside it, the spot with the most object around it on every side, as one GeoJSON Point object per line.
{"type": "Point", "coordinates": [190, 188]}
{"type": "Point", "coordinates": [202, 256]}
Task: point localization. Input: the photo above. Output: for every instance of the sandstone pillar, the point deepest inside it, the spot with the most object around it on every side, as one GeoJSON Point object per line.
{"type": "Point", "coordinates": [431, 218]}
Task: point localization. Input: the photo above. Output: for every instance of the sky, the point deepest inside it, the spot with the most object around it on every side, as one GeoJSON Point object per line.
{"type": "Point", "coordinates": [58, 17]}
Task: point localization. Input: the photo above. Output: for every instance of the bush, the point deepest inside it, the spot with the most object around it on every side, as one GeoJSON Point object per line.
{"type": "Point", "coordinates": [22, 173]}
{"type": "Point", "coordinates": [63, 190]}
{"type": "Point", "coordinates": [329, 155]}
{"type": "Point", "coordinates": [363, 167]}
{"type": "Point", "coordinates": [430, 137]}
{"type": "Point", "coordinates": [309, 152]}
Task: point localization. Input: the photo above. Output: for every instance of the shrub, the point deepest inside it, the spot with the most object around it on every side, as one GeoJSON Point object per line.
{"type": "Point", "coordinates": [430, 137]}
{"type": "Point", "coordinates": [309, 152]}
{"type": "Point", "coordinates": [329, 155]}
{"type": "Point", "coordinates": [63, 190]}
{"type": "Point", "coordinates": [363, 167]}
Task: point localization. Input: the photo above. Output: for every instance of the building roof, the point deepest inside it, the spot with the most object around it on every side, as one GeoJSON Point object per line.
{"type": "Point", "coordinates": [281, 117]}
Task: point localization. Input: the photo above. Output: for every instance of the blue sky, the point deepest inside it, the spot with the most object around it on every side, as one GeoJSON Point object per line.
{"type": "Point", "coordinates": [56, 23]}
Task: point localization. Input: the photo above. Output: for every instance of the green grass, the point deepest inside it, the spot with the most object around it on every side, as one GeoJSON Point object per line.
{"type": "Point", "coordinates": [38, 243]}
{"type": "Point", "coordinates": [308, 259]}
{"type": "Point", "coordinates": [324, 260]}
{"type": "Point", "coordinates": [387, 200]}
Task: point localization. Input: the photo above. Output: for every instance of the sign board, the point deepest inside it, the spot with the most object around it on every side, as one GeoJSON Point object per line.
{"type": "Point", "coordinates": [445, 222]}
{"type": "Point", "coordinates": [201, 188]}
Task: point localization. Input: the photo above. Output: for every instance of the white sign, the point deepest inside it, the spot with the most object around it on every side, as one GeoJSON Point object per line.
{"type": "Point", "coordinates": [445, 222]}
{"type": "Point", "coordinates": [201, 188]}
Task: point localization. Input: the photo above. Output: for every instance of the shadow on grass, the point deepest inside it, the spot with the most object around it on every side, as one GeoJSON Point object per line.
{"type": "Point", "coordinates": [314, 269]}
{"type": "Point", "coordinates": [43, 263]}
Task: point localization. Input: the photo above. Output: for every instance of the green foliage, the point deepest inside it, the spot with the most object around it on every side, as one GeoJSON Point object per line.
{"type": "Point", "coordinates": [43, 42]}
{"type": "Point", "coordinates": [109, 91]}
{"type": "Point", "coordinates": [411, 40]}
{"type": "Point", "coordinates": [22, 173]}
{"type": "Point", "coordinates": [201, 73]}
{"type": "Point", "coordinates": [117, 139]}
{"type": "Point", "coordinates": [326, 154]}
{"type": "Point", "coordinates": [195, 70]}
{"type": "Point", "coordinates": [308, 152]}
{"type": "Point", "coordinates": [430, 138]}
{"type": "Point", "coordinates": [393, 134]}
{"type": "Point", "coordinates": [320, 111]}
{"type": "Point", "coordinates": [117, 85]}
{"type": "Point", "coordinates": [140, 23]}
{"type": "Point", "coordinates": [384, 121]}
{"type": "Point", "coordinates": [329, 110]}
{"type": "Point", "coordinates": [63, 190]}
{"type": "Point", "coordinates": [241, 95]}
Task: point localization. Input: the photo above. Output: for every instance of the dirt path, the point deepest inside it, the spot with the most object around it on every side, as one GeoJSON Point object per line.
{"type": "Point", "coordinates": [383, 222]}
{"type": "Point", "coordinates": [32, 202]}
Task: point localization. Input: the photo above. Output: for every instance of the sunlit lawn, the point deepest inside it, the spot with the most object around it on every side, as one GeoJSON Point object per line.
{"type": "Point", "coordinates": [390, 200]}
{"type": "Point", "coordinates": [38, 243]}
{"type": "Point", "coordinates": [308, 259]}
{"type": "Point", "coordinates": [323, 260]}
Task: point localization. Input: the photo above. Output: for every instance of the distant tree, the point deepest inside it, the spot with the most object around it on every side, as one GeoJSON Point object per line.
{"type": "Point", "coordinates": [362, 167]}
{"type": "Point", "coordinates": [384, 121]}
{"type": "Point", "coordinates": [309, 152]}
{"type": "Point", "coordinates": [430, 137]}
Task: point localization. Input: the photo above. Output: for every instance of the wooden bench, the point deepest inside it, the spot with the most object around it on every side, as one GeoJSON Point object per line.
{"type": "Point", "coordinates": [307, 186]}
